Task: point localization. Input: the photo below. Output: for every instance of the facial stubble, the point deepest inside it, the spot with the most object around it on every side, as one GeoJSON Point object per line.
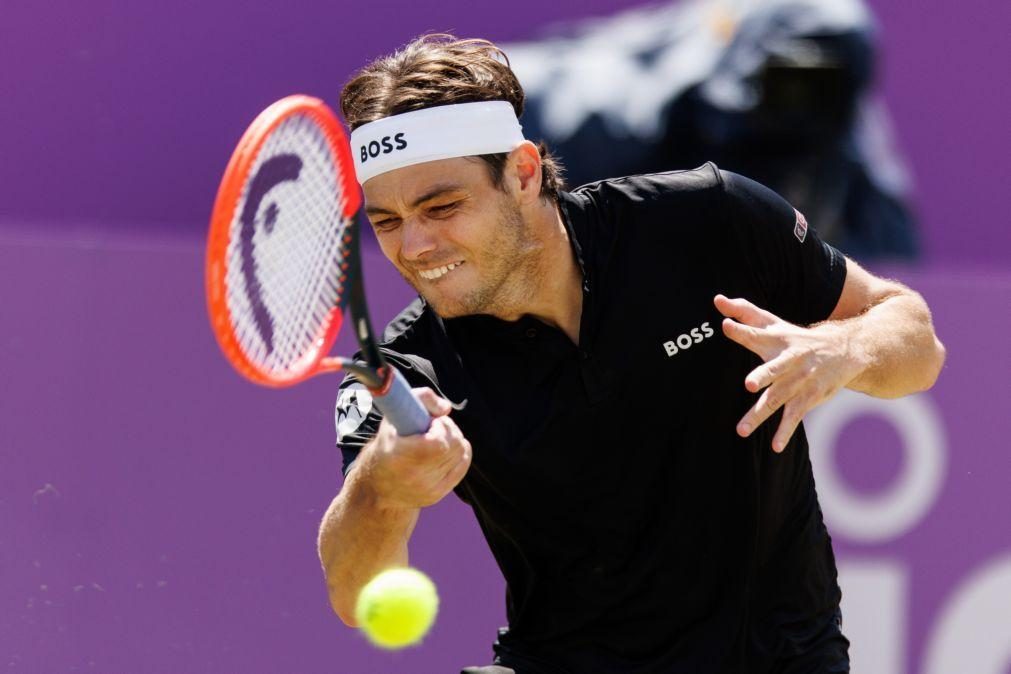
{"type": "Point", "coordinates": [509, 271]}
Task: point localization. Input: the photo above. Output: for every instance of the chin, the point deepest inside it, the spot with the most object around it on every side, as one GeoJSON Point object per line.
{"type": "Point", "coordinates": [452, 305]}
{"type": "Point", "coordinates": [445, 303]}
{"type": "Point", "coordinates": [446, 309]}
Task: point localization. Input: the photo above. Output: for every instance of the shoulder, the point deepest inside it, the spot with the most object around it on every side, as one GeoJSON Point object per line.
{"type": "Point", "coordinates": [407, 326]}
{"type": "Point", "coordinates": [415, 342]}
{"type": "Point", "coordinates": [637, 213]}
{"type": "Point", "coordinates": [746, 199]}
{"type": "Point", "coordinates": [702, 183]}
{"type": "Point", "coordinates": [417, 330]}
{"type": "Point", "coordinates": [649, 205]}
{"type": "Point", "coordinates": [705, 200]}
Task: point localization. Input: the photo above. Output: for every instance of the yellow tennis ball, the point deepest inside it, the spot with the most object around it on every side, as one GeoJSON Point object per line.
{"type": "Point", "coordinates": [397, 608]}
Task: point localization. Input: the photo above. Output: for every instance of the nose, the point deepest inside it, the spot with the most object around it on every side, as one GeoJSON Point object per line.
{"type": "Point", "coordinates": [417, 239]}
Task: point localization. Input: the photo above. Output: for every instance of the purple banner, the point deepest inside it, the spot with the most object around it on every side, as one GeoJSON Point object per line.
{"type": "Point", "coordinates": [126, 112]}
{"type": "Point", "coordinates": [915, 494]}
{"type": "Point", "coordinates": [159, 514]}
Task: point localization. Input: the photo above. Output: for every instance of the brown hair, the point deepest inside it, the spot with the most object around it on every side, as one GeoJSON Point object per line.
{"type": "Point", "coordinates": [439, 69]}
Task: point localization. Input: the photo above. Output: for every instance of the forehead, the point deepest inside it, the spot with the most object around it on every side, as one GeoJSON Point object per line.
{"type": "Point", "coordinates": [409, 183]}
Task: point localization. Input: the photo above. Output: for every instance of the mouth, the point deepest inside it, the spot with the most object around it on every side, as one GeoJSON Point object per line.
{"type": "Point", "coordinates": [438, 272]}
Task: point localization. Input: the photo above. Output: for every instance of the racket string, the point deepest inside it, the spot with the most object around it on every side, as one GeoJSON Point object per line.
{"type": "Point", "coordinates": [282, 301]}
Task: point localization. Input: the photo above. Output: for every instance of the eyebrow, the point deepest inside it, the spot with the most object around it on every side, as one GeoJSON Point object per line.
{"type": "Point", "coordinates": [436, 191]}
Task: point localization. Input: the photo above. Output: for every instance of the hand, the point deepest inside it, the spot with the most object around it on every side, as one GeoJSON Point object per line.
{"type": "Point", "coordinates": [415, 471]}
{"type": "Point", "coordinates": [803, 367]}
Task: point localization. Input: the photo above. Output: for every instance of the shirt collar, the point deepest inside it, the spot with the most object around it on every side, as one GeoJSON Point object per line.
{"type": "Point", "coordinates": [571, 208]}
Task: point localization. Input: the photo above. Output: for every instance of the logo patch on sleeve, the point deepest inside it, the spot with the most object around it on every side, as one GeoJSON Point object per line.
{"type": "Point", "coordinates": [353, 405]}
{"type": "Point", "coordinates": [800, 227]}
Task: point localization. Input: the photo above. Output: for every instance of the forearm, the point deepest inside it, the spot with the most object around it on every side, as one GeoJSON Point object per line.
{"type": "Point", "coordinates": [358, 538]}
{"type": "Point", "coordinates": [892, 346]}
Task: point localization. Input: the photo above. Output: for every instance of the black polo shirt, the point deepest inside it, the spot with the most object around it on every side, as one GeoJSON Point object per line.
{"type": "Point", "coordinates": [636, 531]}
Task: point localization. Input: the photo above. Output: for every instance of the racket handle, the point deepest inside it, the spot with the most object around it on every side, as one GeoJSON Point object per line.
{"type": "Point", "coordinates": [400, 407]}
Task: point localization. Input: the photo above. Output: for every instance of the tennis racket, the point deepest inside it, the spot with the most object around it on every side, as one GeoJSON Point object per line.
{"type": "Point", "coordinates": [283, 264]}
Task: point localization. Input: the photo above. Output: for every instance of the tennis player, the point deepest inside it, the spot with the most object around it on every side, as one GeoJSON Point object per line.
{"type": "Point", "coordinates": [636, 356]}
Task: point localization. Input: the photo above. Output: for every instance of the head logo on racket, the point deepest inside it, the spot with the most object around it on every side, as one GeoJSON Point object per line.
{"type": "Point", "coordinates": [276, 170]}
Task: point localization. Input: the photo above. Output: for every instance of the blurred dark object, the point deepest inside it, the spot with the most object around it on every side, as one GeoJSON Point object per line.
{"type": "Point", "coordinates": [774, 89]}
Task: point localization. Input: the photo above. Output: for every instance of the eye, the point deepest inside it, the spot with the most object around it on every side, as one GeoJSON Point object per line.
{"type": "Point", "coordinates": [443, 210]}
{"type": "Point", "coordinates": [386, 224]}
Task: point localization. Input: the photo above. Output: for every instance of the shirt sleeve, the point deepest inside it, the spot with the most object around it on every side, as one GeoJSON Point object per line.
{"type": "Point", "coordinates": [800, 276]}
{"type": "Point", "coordinates": [356, 415]}
{"type": "Point", "coordinates": [356, 419]}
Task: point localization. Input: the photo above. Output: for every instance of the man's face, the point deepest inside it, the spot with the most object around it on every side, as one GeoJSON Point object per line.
{"type": "Point", "coordinates": [458, 240]}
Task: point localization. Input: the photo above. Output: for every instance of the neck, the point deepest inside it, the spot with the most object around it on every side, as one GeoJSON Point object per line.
{"type": "Point", "coordinates": [557, 298]}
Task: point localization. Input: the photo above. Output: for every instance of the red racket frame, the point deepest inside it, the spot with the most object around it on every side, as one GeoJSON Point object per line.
{"type": "Point", "coordinates": [229, 192]}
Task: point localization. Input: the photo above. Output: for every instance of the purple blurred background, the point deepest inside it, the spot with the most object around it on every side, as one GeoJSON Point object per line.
{"type": "Point", "coordinates": [124, 113]}
{"type": "Point", "coordinates": [158, 514]}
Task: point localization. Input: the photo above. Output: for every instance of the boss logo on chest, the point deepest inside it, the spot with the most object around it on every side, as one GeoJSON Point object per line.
{"type": "Point", "coordinates": [685, 341]}
{"type": "Point", "coordinates": [384, 145]}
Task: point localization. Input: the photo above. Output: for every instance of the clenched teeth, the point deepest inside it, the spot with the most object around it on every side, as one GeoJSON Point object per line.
{"type": "Point", "coordinates": [438, 272]}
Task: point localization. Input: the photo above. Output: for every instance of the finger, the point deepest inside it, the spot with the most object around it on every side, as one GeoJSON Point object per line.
{"type": "Point", "coordinates": [744, 311]}
{"type": "Point", "coordinates": [426, 451]}
{"type": "Point", "coordinates": [436, 405]}
{"type": "Point", "coordinates": [793, 413]}
{"type": "Point", "coordinates": [438, 440]}
{"type": "Point", "coordinates": [766, 373]}
{"type": "Point", "coordinates": [771, 400]}
{"type": "Point", "coordinates": [745, 335]}
{"type": "Point", "coordinates": [455, 474]}
{"type": "Point", "coordinates": [451, 444]}
{"type": "Point", "coordinates": [455, 439]}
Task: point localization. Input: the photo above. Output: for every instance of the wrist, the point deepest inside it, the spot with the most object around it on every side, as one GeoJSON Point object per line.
{"type": "Point", "coordinates": [857, 359]}
{"type": "Point", "coordinates": [367, 493]}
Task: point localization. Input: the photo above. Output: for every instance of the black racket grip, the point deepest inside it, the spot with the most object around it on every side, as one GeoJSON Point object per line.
{"type": "Point", "coordinates": [400, 407]}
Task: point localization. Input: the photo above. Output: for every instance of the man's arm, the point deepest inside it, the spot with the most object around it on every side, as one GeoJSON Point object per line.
{"type": "Point", "coordinates": [879, 340]}
{"type": "Point", "coordinates": [367, 526]}
{"type": "Point", "coordinates": [891, 333]}
{"type": "Point", "coordinates": [358, 538]}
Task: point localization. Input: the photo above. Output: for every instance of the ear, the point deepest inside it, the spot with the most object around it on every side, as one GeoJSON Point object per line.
{"type": "Point", "coordinates": [524, 169]}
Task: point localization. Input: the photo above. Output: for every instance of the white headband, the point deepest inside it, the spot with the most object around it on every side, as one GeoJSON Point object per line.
{"type": "Point", "coordinates": [443, 132]}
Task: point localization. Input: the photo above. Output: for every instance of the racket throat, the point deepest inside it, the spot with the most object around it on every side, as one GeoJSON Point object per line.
{"type": "Point", "coordinates": [377, 380]}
